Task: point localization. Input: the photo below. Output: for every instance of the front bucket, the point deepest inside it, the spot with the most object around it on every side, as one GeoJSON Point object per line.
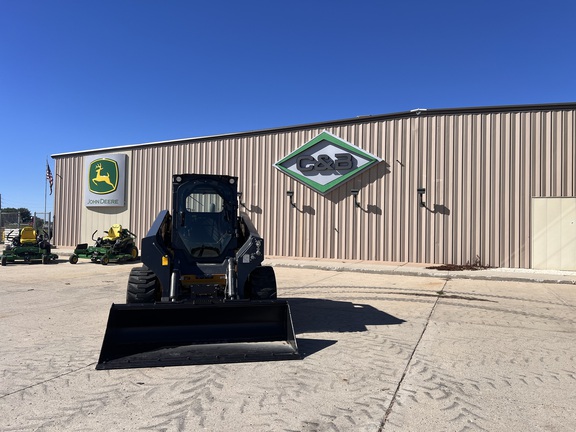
{"type": "Point", "coordinates": [176, 334]}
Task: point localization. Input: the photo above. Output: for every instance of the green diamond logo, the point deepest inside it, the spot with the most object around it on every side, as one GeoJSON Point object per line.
{"type": "Point", "coordinates": [326, 162]}
{"type": "Point", "coordinates": [103, 176]}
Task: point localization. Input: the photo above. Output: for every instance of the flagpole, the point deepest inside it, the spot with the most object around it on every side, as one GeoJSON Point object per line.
{"type": "Point", "coordinates": [50, 180]}
{"type": "Point", "coordinates": [45, 189]}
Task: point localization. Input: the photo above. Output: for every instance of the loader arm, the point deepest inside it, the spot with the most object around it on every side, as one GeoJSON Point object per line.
{"type": "Point", "coordinates": [155, 252]}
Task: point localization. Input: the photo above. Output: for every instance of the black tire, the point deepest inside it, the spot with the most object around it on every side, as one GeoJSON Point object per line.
{"type": "Point", "coordinates": [261, 284]}
{"type": "Point", "coordinates": [105, 260]}
{"type": "Point", "coordinates": [4, 261]}
{"type": "Point", "coordinates": [45, 259]}
{"type": "Point", "coordinates": [73, 259]}
{"type": "Point", "coordinates": [143, 286]}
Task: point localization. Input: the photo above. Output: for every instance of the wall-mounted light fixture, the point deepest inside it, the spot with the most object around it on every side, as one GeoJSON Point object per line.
{"type": "Point", "coordinates": [354, 193]}
{"type": "Point", "coordinates": [290, 194]}
{"type": "Point", "coordinates": [421, 192]}
{"type": "Point", "coordinates": [239, 194]}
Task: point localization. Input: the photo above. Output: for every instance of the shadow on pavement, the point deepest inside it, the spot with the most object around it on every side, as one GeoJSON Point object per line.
{"type": "Point", "coordinates": [318, 315]}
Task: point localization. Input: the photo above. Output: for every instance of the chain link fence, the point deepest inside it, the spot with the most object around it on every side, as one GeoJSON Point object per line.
{"type": "Point", "coordinates": [11, 223]}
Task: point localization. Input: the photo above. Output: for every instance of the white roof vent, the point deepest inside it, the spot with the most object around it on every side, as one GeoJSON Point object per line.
{"type": "Point", "coordinates": [418, 110]}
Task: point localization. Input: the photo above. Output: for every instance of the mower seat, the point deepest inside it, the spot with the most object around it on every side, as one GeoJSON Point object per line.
{"type": "Point", "coordinates": [113, 233]}
{"type": "Point", "coordinates": [28, 236]}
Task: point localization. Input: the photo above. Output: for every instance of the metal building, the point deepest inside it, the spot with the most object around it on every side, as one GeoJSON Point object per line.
{"type": "Point", "coordinates": [494, 185]}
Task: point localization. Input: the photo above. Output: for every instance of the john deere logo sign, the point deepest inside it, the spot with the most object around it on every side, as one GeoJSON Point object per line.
{"type": "Point", "coordinates": [103, 176]}
{"type": "Point", "coordinates": [326, 162]}
{"type": "Point", "coordinates": [105, 180]}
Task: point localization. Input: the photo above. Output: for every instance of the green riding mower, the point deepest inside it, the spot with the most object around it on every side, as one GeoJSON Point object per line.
{"type": "Point", "coordinates": [28, 247]}
{"type": "Point", "coordinates": [117, 246]}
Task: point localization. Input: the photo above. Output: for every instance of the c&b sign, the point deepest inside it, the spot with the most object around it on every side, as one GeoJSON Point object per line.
{"type": "Point", "coordinates": [326, 162]}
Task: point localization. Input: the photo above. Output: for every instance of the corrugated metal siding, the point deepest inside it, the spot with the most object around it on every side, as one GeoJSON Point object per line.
{"type": "Point", "coordinates": [480, 171]}
{"type": "Point", "coordinates": [68, 200]}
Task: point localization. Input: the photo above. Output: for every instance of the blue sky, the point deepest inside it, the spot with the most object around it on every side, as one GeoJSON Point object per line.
{"type": "Point", "coordinates": [78, 75]}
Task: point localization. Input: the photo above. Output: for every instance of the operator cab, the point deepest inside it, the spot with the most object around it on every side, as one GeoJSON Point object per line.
{"type": "Point", "coordinates": [205, 218]}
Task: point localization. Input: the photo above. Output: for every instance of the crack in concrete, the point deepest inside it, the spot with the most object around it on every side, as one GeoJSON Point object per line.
{"type": "Point", "coordinates": [440, 294]}
{"type": "Point", "coordinates": [46, 380]}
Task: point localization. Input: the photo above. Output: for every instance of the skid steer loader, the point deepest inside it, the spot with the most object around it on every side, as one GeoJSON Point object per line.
{"type": "Point", "coordinates": [202, 294]}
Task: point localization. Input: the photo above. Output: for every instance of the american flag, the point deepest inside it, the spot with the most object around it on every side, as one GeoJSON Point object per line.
{"type": "Point", "coordinates": [49, 177]}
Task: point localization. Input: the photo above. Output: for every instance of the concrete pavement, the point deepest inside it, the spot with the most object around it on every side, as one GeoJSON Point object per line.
{"type": "Point", "coordinates": [411, 269]}
{"type": "Point", "coordinates": [414, 269]}
{"type": "Point", "coordinates": [391, 348]}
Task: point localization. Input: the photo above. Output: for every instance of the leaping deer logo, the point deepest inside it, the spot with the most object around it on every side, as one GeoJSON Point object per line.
{"type": "Point", "coordinates": [101, 178]}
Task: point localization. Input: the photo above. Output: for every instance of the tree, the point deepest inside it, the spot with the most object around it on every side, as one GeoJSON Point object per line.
{"type": "Point", "coordinates": [10, 216]}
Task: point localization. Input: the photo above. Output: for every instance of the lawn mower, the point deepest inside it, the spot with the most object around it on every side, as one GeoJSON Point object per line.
{"type": "Point", "coordinates": [28, 246]}
{"type": "Point", "coordinates": [117, 246]}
